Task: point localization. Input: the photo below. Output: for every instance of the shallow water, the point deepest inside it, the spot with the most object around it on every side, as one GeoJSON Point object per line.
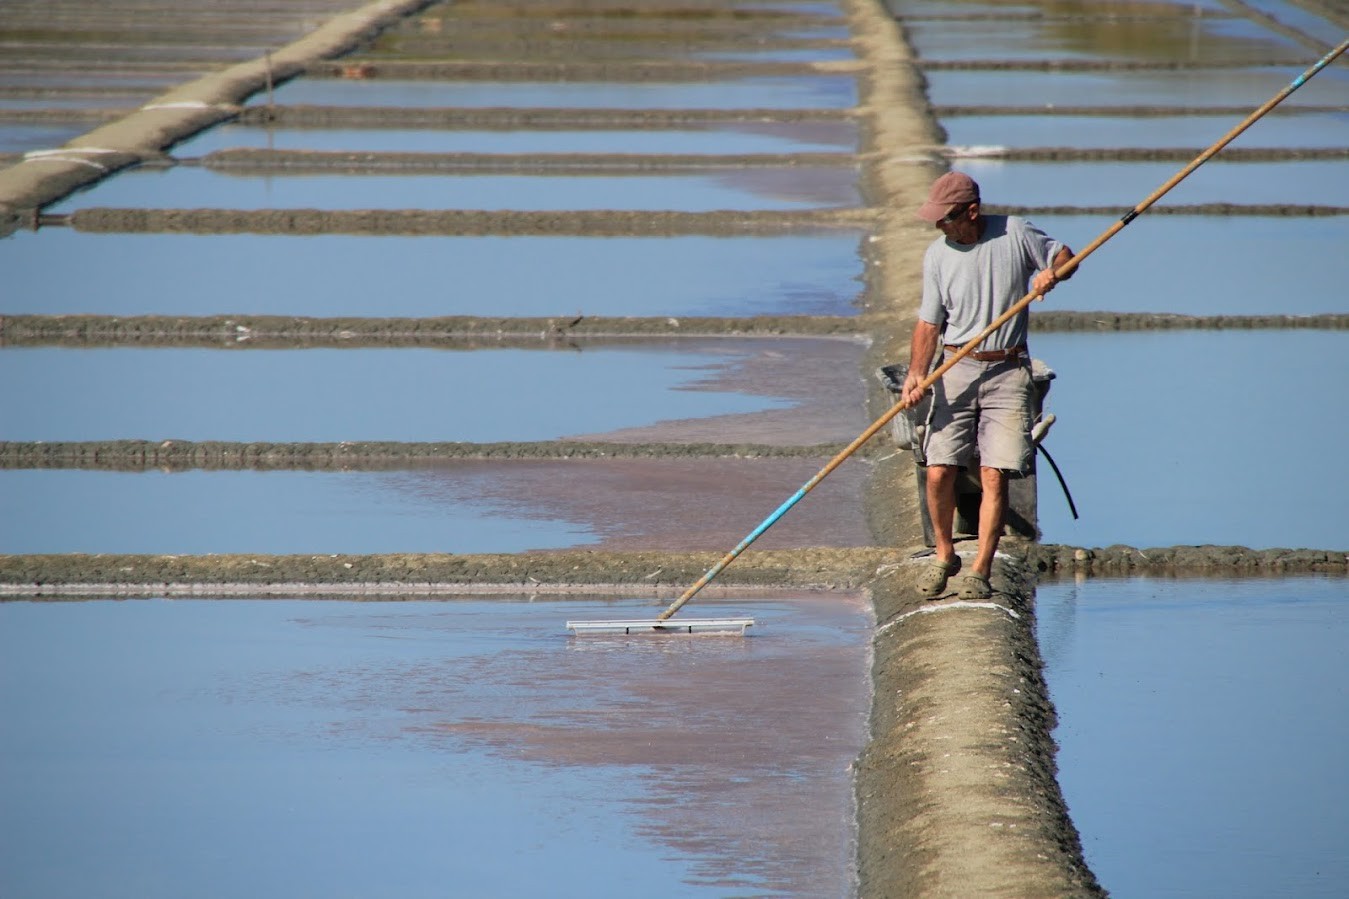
{"type": "Point", "coordinates": [1213, 87]}
{"type": "Point", "coordinates": [397, 748]}
{"type": "Point", "coordinates": [1202, 732]}
{"type": "Point", "coordinates": [1127, 183]}
{"type": "Point", "coordinates": [1193, 132]}
{"type": "Point", "coordinates": [342, 275]}
{"type": "Point", "coordinates": [1195, 437]}
{"type": "Point", "coordinates": [802, 92]}
{"type": "Point", "coordinates": [1306, 21]}
{"type": "Point", "coordinates": [666, 505]}
{"type": "Point", "coordinates": [748, 137]}
{"type": "Point", "coordinates": [807, 54]}
{"type": "Point", "coordinates": [431, 395]}
{"type": "Point", "coordinates": [21, 138]}
{"type": "Point", "coordinates": [780, 188]}
{"type": "Point", "coordinates": [1289, 266]}
{"type": "Point", "coordinates": [1189, 39]}
{"type": "Point", "coordinates": [135, 83]}
{"type": "Point", "coordinates": [1102, 8]}
{"type": "Point", "coordinates": [68, 101]}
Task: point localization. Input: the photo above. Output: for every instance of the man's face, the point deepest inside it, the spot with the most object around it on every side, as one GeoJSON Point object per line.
{"type": "Point", "coordinates": [961, 224]}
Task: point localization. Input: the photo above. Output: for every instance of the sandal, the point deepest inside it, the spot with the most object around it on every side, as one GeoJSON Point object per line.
{"type": "Point", "coordinates": [932, 582]}
{"type": "Point", "coordinates": [975, 586]}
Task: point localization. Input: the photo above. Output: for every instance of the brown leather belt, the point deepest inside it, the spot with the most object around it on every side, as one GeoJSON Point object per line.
{"type": "Point", "coordinates": [1011, 353]}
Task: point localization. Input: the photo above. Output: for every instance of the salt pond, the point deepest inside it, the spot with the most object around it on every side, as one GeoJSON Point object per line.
{"type": "Point", "coordinates": [1183, 438]}
{"type": "Point", "coordinates": [435, 395]}
{"type": "Point", "coordinates": [1195, 40]}
{"type": "Point", "coordinates": [1199, 87]}
{"type": "Point", "coordinates": [665, 505]}
{"type": "Point", "coordinates": [407, 748]}
{"type": "Point", "coordinates": [1124, 184]}
{"type": "Point", "coordinates": [803, 92]}
{"type": "Point", "coordinates": [184, 187]}
{"type": "Point", "coordinates": [22, 137]}
{"type": "Point", "coordinates": [342, 275]}
{"type": "Point", "coordinates": [1192, 131]}
{"type": "Point", "coordinates": [735, 138]}
{"type": "Point", "coordinates": [1202, 732]}
{"type": "Point", "coordinates": [1196, 253]}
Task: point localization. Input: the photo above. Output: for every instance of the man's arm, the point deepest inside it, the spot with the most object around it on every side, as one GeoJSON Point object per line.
{"type": "Point", "coordinates": [922, 351]}
{"type": "Point", "coordinates": [1044, 281]}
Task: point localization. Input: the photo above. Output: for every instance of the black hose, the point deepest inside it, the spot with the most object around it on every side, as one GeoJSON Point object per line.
{"type": "Point", "coordinates": [1072, 507]}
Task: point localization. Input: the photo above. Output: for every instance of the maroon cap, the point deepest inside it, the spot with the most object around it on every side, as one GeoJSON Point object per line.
{"type": "Point", "coordinates": [949, 191]}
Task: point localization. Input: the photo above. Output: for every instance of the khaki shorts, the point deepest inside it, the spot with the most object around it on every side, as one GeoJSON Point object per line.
{"type": "Point", "coordinates": [985, 405]}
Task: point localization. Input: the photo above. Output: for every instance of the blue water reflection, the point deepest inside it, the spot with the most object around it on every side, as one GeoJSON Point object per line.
{"type": "Point", "coordinates": [752, 189]}
{"type": "Point", "coordinates": [1124, 184]}
{"type": "Point", "coordinates": [424, 749]}
{"type": "Point", "coordinates": [20, 138]}
{"type": "Point", "coordinates": [461, 506]}
{"type": "Point", "coordinates": [746, 137]}
{"type": "Point", "coordinates": [342, 275]}
{"type": "Point", "coordinates": [1104, 8]}
{"type": "Point", "coordinates": [368, 394]}
{"type": "Point", "coordinates": [1288, 266]}
{"type": "Point", "coordinates": [805, 92]}
{"type": "Point", "coordinates": [1328, 129]}
{"type": "Point", "coordinates": [1198, 87]}
{"type": "Point", "coordinates": [1175, 38]}
{"type": "Point", "coordinates": [1197, 437]}
{"type": "Point", "coordinates": [1202, 726]}
{"type": "Point", "coordinates": [202, 512]}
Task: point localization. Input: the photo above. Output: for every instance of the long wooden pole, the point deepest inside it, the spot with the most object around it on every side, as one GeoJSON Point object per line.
{"type": "Point", "coordinates": [1063, 271]}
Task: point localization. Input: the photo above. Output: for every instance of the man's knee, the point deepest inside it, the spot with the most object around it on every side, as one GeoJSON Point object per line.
{"type": "Point", "coordinates": [992, 477]}
{"type": "Point", "coordinates": [941, 475]}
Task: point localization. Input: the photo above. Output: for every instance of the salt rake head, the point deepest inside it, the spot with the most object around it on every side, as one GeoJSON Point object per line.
{"type": "Point", "coordinates": [659, 627]}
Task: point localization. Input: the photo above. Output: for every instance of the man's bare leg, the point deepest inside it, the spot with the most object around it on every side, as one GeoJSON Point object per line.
{"type": "Point", "coordinates": [941, 507]}
{"type": "Point", "coordinates": [992, 510]}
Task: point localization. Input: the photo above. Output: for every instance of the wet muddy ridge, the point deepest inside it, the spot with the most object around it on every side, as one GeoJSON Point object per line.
{"type": "Point", "coordinates": [956, 790]}
{"type": "Point", "coordinates": [467, 333]}
{"type": "Point", "coordinates": [659, 574]}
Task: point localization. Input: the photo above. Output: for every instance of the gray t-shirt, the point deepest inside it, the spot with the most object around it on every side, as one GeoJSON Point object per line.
{"type": "Point", "coordinates": [967, 287]}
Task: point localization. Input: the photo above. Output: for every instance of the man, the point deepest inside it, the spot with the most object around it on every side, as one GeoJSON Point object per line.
{"type": "Point", "coordinates": [976, 271]}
